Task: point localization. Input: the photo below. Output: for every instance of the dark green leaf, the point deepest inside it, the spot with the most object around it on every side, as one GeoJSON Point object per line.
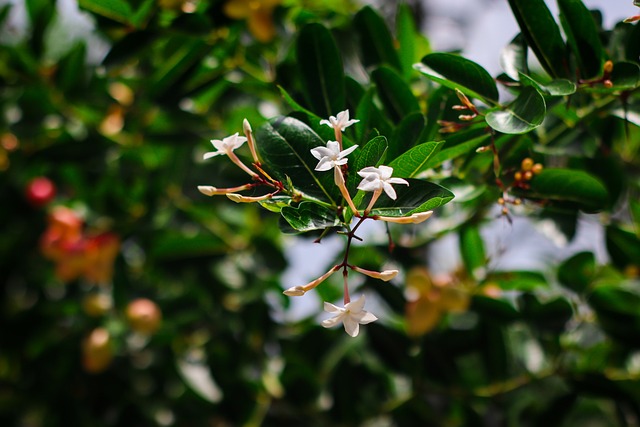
{"type": "Point", "coordinates": [456, 72]}
{"type": "Point", "coordinates": [623, 247]}
{"type": "Point", "coordinates": [395, 93]}
{"type": "Point", "coordinates": [522, 115]}
{"type": "Point", "coordinates": [375, 39]}
{"type": "Point", "coordinates": [577, 272]}
{"type": "Point", "coordinates": [582, 36]}
{"type": "Point", "coordinates": [118, 10]}
{"type": "Point", "coordinates": [542, 35]}
{"type": "Point", "coordinates": [372, 121]}
{"type": "Point", "coordinates": [406, 135]}
{"type": "Point", "coordinates": [416, 160]}
{"type": "Point", "coordinates": [618, 312]}
{"type": "Point", "coordinates": [177, 66]}
{"type": "Point", "coordinates": [372, 154]}
{"type": "Point", "coordinates": [495, 309]}
{"type": "Point", "coordinates": [320, 70]}
{"type": "Point", "coordinates": [310, 216]}
{"type": "Point", "coordinates": [513, 58]}
{"type": "Point", "coordinates": [285, 146]}
{"type": "Point", "coordinates": [457, 150]}
{"type": "Point", "coordinates": [570, 185]}
{"type": "Point", "coordinates": [552, 315]}
{"type": "Point", "coordinates": [409, 39]}
{"type": "Point", "coordinates": [472, 251]}
{"type": "Point", "coordinates": [557, 87]}
{"type": "Point", "coordinates": [174, 245]}
{"type": "Point", "coordinates": [419, 196]}
{"type": "Point", "coordinates": [517, 280]}
{"type": "Point", "coordinates": [128, 47]}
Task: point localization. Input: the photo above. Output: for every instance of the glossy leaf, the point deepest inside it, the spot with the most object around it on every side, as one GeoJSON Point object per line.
{"type": "Point", "coordinates": [416, 160]}
{"type": "Point", "coordinates": [320, 69]}
{"type": "Point", "coordinates": [419, 196]}
{"type": "Point", "coordinates": [310, 216]}
{"type": "Point", "coordinates": [285, 146]}
{"type": "Point", "coordinates": [375, 39]}
{"type": "Point", "coordinates": [517, 280]}
{"type": "Point", "coordinates": [522, 115]}
{"type": "Point", "coordinates": [618, 312]}
{"type": "Point", "coordinates": [557, 87]}
{"type": "Point", "coordinates": [582, 36]}
{"type": "Point", "coordinates": [577, 272]}
{"type": "Point", "coordinates": [542, 35]}
{"type": "Point", "coordinates": [495, 309]}
{"type": "Point", "coordinates": [395, 93]}
{"type": "Point", "coordinates": [513, 58]}
{"type": "Point", "coordinates": [407, 134]}
{"type": "Point", "coordinates": [372, 154]}
{"type": "Point", "coordinates": [456, 72]}
{"type": "Point", "coordinates": [459, 149]}
{"type": "Point", "coordinates": [550, 315]}
{"type": "Point", "coordinates": [117, 10]}
{"type": "Point", "coordinates": [623, 247]}
{"type": "Point", "coordinates": [472, 251]}
{"type": "Point", "coordinates": [570, 185]}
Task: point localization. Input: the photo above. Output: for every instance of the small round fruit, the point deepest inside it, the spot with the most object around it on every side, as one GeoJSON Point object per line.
{"type": "Point", "coordinates": [526, 164]}
{"type": "Point", "coordinates": [144, 316]}
{"type": "Point", "coordinates": [40, 191]}
{"type": "Point", "coordinates": [97, 351]}
{"type": "Point", "coordinates": [97, 304]}
{"type": "Point", "coordinates": [537, 168]}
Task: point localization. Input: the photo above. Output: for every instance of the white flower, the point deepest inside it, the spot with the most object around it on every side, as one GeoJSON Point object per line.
{"type": "Point", "coordinates": [226, 146]}
{"type": "Point", "coordinates": [377, 179]}
{"type": "Point", "coordinates": [352, 316]}
{"type": "Point", "coordinates": [331, 156]}
{"type": "Point", "coordinates": [340, 122]}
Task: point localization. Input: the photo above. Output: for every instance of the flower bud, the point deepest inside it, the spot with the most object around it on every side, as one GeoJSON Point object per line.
{"type": "Point", "coordinates": [608, 67]}
{"type": "Point", "coordinates": [385, 275]}
{"type": "Point", "coordinates": [526, 164]}
{"type": "Point", "coordinates": [207, 190]}
{"type": "Point", "coordinates": [144, 316]}
{"type": "Point", "coordinates": [416, 218]}
{"type": "Point", "coordinates": [295, 291]}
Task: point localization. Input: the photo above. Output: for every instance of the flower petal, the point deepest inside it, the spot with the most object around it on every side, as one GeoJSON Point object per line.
{"type": "Point", "coordinates": [364, 317]}
{"type": "Point", "coordinates": [389, 190]}
{"type": "Point", "coordinates": [356, 306]}
{"type": "Point", "coordinates": [351, 326]}
{"type": "Point", "coordinates": [211, 154]}
{"type": "Point", "coordinates": [329, 323]}
{"type": "Point", "coordinates": [369, 185]}
{"type": "Point", "coordinates": [320, 152]}
{"type": "Point", "coordinates": [324, 164]}
{"type": "Point", "coordinates": [330, 308]}
{"type": "Point", "coordinates": [348, 151]}
{"type": "Point", "coordinates": [397, 181]}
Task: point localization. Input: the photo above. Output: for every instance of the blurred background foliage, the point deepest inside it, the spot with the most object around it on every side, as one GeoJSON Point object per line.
{"type": "Point", "coordinates": [128, 298]}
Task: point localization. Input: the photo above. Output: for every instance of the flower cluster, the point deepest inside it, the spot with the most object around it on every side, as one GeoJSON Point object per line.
{"type": "Point", "coordinates": [75, 252]}
{"type": "Point", "coordinates": [331, 157]}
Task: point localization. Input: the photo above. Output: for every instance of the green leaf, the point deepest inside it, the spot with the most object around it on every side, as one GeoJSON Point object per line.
{"type": "Point", "coordinates": [419, 196]}
{"type": "Point", "coordinates": [577, 272]}
{"type": "Point", "coordinates": [117, 10]}
{"type": "Point", "coordinates": [180, 63]}
{"type": "Point", "coordinates": [416, 160]}
{"type": "Point", "coordinates": [542, 35]}
{"type": "Point", "coordinates": [453, 151]}
{"type": "Point", "coordinates": [623, 247]}
{"type": "Point", "coordinates": [406, 135]}
{"type": "Point", "coordinates": [472, 251]}
{"type": "Point", "coordinates": [557, 87]}
{"type": "Point", "coordinates": [285, 145]}
{"type": "Point", "coordinates": [625, 75]}
{"type": "Point", "coordinates": [275, 204]}
{"type": "Point", "coordinates": [583, 37]}
{"type": "Point", "coordinates": [456, 72]}
{"type": "Point", "coordinates": [570, 185]}
{"type": "Point", "coordinates": [618, 312]}
{"type": "Point", "coordinates": [373, 153]}
{"type": "Point", "coordinates": [409, 39]}
{"type": "Point", "coordinates": [320, 70]}
{"type": "Point", "coordinates": [395, 93]}
{"type": "Point", "coordinates": [175, 245]}
{"type": "Point", "coordinates": [375, 39]}
{"type": "Point", "coordinates": [513, 58]}
{"type": "Point", "coordinates": [517, 280]}
{"type": "Point", "coordinates": [552, 315]}
{"type": "Point", "coordinates": [493, 308]}
{"type": "Point", "coordinates": [372, 121]}
{"type": "Point", "coordinates": [310, 216]}
{"type": "Point", "coordinates": [129, 46]}
{"type": "Point", "coordinates": [522, 115]}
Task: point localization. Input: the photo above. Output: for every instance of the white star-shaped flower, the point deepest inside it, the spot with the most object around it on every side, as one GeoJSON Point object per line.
{"type": "Point", "coordinates": [331, 156]}
{"type": "Point", "coordinates": [352, 316]}
{"type": "Point", "coordinates": [225, 146]}
{"type": "Point", "coordinates": [340, 122]}
{"type": "Point", "coordinates": [377, 179]}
